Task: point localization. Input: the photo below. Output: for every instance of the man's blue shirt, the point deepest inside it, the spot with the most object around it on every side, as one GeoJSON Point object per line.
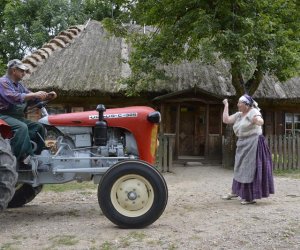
{"type": "Point", "coordinates": [11, 93]}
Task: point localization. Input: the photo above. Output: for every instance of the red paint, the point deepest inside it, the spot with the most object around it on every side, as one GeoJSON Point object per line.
{"type": "Point", "coordinates": [5, 130]}
{"type": "Point", "coordinates": [138, 125]}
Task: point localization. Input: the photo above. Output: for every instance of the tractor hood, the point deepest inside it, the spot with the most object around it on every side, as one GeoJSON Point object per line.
{"type": "Point", "coordinates": [118, 117]}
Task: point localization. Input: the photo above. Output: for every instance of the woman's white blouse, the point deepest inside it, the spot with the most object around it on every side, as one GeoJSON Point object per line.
{"type": "Point", "coordinates": [243, 125]}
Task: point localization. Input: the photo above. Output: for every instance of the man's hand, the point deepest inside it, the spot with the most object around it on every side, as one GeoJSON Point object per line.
{"type": "Point", "coordinates": [42, 95]}
{"type": "Point", "coordinates": [51, 95]}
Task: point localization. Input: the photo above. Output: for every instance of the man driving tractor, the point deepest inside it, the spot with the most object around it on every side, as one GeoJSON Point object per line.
{"type": "Point", "coordinates": [14, 99]}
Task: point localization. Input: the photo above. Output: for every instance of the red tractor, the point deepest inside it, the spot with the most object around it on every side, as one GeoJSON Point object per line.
{"type": "Point", "coordinates": [114, 148]}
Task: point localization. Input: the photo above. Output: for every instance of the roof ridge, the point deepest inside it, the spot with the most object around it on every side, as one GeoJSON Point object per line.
{"type": "Point", "coordinates": [59, 42]}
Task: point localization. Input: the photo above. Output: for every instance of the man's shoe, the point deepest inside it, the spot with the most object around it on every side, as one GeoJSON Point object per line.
{"type": "Point", "coordinates": [23, 166]}
{"type": "Point", "coordinates": [26, 163]}
{"type": "Point", "coordinates": [27, 160]}
{"type": "Point", "coordinates": [229, 196]}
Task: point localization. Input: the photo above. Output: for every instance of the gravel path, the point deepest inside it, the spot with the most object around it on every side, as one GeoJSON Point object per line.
{"type": "Point", "coordinates": [195, 218]}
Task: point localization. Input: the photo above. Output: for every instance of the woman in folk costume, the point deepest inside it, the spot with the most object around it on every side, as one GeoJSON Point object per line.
{"type": "Point", "coordinates": [253, 173]}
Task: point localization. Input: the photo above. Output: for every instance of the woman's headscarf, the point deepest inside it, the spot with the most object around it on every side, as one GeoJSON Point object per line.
{"type": "Point", "coordinates": [248, 100]}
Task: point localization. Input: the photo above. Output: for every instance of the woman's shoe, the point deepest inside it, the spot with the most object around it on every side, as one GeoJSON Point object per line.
{"type": "Point", "coordinates": [229, 196]}
{"type": "Point", "coordinates": [247, 202]}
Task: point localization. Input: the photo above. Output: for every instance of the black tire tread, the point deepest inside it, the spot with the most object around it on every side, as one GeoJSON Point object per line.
{"type": "Point", "coordinates": [8, 173]}
{"type": "Point", "coordinates": [23, 195]}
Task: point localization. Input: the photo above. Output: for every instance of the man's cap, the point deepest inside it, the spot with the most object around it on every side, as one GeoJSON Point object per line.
{"type": "Point", "coordinates": [16, 63]}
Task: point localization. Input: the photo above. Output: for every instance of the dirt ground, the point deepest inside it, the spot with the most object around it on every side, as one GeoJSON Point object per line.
{"type": "Point", "coordinates": [195, 218]}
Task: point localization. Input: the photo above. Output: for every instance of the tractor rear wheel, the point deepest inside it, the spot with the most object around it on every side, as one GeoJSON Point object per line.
{"type": "Point", "coordinates": [24, 194]}
{"type": "Point", "coordinates": [132, 194]}
{"type": "Point", "coordinates": [8, 173]}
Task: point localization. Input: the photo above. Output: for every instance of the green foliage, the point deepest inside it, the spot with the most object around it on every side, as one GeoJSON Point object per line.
{"type": "Point", "coordinates": [29, 24]}
{"type": "Point", "coordinates": [255, 37]}
{"type": "Point", "coordinates": [26, 25]}
{"type": "Point", "coordinates": [2, 67]}
{"type": "Point", "coordinates": [99, 9]}
{"type": "Point", "coordinates": [289, 173]}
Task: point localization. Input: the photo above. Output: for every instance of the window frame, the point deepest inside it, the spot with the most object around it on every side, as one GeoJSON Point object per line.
{"type": "Point", "coordinates": [291, 119]}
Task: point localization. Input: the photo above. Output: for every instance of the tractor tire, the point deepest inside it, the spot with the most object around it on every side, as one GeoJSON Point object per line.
{"type": "Point", "coordinates": [24, 194]}
{"type": "Point", "coordinates": [132, 194]}
{"type": "Point", "coordinates": [8, 173]}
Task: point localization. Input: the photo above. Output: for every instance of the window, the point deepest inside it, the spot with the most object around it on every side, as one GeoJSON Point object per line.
{"type": "Point", "coordinates": [292, 124]}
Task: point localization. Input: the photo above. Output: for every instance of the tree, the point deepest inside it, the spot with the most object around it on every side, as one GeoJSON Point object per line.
{"type": "Point", "coordinates": [255, 36]}
{"type": "Point", "coordinates": [26, 25]}
{"type": "Point", "coordinates": [100, 9]}
{"type": "Point", "coordinates": [29, 24]}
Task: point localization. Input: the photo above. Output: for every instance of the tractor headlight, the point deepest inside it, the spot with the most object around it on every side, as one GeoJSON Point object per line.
{"type": "Point", "coordinates": [154, 117]}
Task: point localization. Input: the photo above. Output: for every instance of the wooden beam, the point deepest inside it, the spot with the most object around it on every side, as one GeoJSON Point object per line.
{"type": "Point", "coordinates": [187, 99]}
{"type": "Point", "coordinates": [162, 124]}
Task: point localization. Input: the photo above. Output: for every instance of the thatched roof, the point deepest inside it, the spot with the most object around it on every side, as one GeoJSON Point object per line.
{"type": "Point", "coordinates": [80, 59]}
{"type": "Point", "coordinates": [85, 59]}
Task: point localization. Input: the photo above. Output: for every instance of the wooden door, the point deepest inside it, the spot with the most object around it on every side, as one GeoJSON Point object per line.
{"type": "Point", "coordinates": [191, 130]}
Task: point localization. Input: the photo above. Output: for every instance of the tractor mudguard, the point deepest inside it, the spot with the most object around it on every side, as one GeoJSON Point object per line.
{"type": "Point", "coordinates": [5, 130]}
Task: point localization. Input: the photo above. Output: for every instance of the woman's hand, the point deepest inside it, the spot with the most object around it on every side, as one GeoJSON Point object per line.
{"type": "Point", "coordinates": [225, 102]}
{"type": "Point", "coordinates": [258, 120]}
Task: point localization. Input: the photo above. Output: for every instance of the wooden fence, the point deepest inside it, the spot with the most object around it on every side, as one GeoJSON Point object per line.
{"type": "Point", "coordinates": [285, 151]}
{"type": "Point", "coordinates": [165, 152]}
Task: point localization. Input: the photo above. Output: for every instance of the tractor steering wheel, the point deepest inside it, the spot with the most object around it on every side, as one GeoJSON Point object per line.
{"type": "Point", "coordinates": [39, 105]}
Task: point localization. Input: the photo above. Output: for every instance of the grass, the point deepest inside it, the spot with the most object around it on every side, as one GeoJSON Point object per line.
{"type": "Point", "coordinates": [63, 240]}
{"type": "Point", "coordinates": [290, 173]}
{"type": "Point", "coordinates": [8, 246]}
{"type": "Point", "coordinates": [124, 242]}
{"type": "Point", "coordinates": [132, 237]}
{"type": "Point", "coordinates": [58, 188]}
{"type": "Point", "coordinates": [107, 246]}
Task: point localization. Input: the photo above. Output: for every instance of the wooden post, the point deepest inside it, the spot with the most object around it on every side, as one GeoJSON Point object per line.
{"type": "Point", "coordinates": [177, 141]}
{"type": "Point", "coordinates": [294, 155]}
{"type": "Point", "coordinates": [275, 152]}
{"type": "Point", "coordinates": [171, 138]}
{"type": "Point", "coordinates": [289, 152]}
{"type": "Point", "coordinates": [280, 152]}
{"type": "Point", "coordinates": [165, 153]}
{"type": "Point", "coordinates": [298, 151]}
{"type": "Point", "coordinates": [284, 152]}
{"type": "Point", "coordinates": [160, 152]}
{"type": "Point", "coordinates": [206, 151]}
{"type": "Point", "coordinates": [228, 148]}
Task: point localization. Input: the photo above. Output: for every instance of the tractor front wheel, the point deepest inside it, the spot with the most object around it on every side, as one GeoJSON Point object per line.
{"type": "Point", "coordinates": [132, 194]}
{"type": "Point", "coordinates": [8, 173]}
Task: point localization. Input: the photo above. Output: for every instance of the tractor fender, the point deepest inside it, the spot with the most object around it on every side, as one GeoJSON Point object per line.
{"type": "Point", "coordinates": [5, 130]}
